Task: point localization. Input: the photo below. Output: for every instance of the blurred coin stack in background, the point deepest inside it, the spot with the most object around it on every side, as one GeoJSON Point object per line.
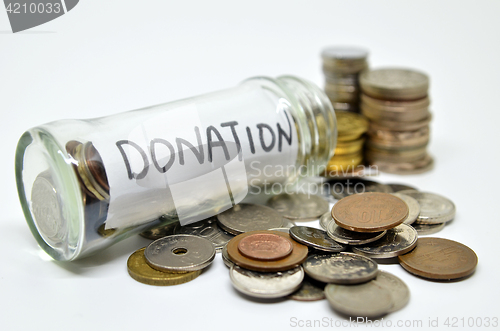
{"type": "Point", "coordinates": [341, 66]}
{"type": "Point", "coordinates": [396, 103]}
{"type": "Point", "coordinates": [351, 138]}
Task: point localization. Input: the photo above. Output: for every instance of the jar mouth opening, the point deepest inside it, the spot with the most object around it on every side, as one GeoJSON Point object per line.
{"type": "Point", "coordinates": [50, 195]}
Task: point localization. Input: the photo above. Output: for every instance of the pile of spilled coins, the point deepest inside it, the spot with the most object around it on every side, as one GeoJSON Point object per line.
{"type": "Point", "coordinates": [270, 257]}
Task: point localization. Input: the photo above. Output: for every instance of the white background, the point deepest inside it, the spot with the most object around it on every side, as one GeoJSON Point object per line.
{"type": "Point", "coordinates": [105, 57]}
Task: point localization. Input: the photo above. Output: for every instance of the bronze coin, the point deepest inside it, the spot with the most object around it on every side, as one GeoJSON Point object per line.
{"type": "Point", "coordinates": [296, 257]}
{"type": "Point", "coordinates": [438, 258]}
{"type": "Point", "coordinates": [265, 247]}
{"type": "Point", "coordinates": [369, 212]}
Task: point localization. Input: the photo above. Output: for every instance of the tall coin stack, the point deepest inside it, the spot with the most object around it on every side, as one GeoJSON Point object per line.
{"type": "Point", "coordinates": [341, 66]}
{"type": "Point", "coordinates": [349, 151]}
{"type": "Point", "coordinates": [396, 103]}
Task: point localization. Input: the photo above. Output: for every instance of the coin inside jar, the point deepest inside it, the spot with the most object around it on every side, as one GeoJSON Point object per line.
{"type": "Point", "coordinates": [265, 246]}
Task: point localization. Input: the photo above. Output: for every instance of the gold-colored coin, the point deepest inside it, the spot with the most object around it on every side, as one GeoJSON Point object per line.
{"type": "Point", "coordinates": [350, 125]}
{"type": "Point", "coordinates": [349, 147]}
{"type": "Point", "coordinates": [344, 162]}
{"type": "Point", "coordinates": [139, 270]}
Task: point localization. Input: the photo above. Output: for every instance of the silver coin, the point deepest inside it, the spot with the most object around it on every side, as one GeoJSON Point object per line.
{"type": "Point", "coordinates": [285, 230]}
{"type": "Point", "coordinates": [266, 284]}
{"type": "Point", "coordinates": [413, 207]}
{"type": "Point", "coordinates": [401, 187]}
{"type": "Point", "coordinates": [399, 291]}
{"type": "Point", "coordinates": [299, 206]}
{"type": "Point", "coordinates": [207, 229]}
{"type": "Point", "coordinates": [247, 217]}
{"type": "Point", "coordinates": [434, 208]}
{"type": "Point", "coordinates": [180, 253]}
{"type": "Point", "coordinates": [343, 188]}
{"type": "Point", "coordinates": [344, 53]}
{"type": "Point", "coordinates": [47, 211]}
{"type": "Point", "coordinates": [427, 229]}
{"type": "Point", "coordinates": [287, 223]}
{"type": "Point", "coordinates": [316, 238]}
{"type": "Point", "coordinates": [363, 300]}
{"type": "Point", "coordinates": [348, 237]}
{"type": "Point", "coordinates": [225, 257]}
{"type": "Point", "coordinates": [394, 83]}
{"type": "Point", "coordinates": [397, 241]}
{"type": "Point", "coordinates": [340, 268]}
{"type": "Point", "coordinates": [310, 290]}
{"type": "Point", "coordinates": [325, 219]}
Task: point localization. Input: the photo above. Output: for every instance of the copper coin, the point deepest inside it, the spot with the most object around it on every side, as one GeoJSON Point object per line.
{"type": "Point", "coordinates": [296, 257]}
{"type": "Point", "coordinates": [438, 258]}
{"type": "Point", "coordinates": [265, 247]}
{"type": "Point", "coordinates": [369, 212]}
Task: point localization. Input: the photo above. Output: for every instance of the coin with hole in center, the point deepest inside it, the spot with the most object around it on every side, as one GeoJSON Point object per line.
{"type": "Point", "coordinates": [265, 246]}
{"type": "Point", "coordinates": [180, 253]}
{"type": "Point", "coordinates": [316, 238]}
{"type": "Point", "coordinates": [340, 268]}
{"type": "Point", "coordinates": [369, 212]}
{"type": "Point", "coordinates": [139, 270]}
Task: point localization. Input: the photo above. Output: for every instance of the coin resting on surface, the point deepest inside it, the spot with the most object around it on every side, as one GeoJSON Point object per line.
{"type": "Point", "coordinates": [400, 293]}
{"type": "Point", "coordinates": [434, 208]}
{"type": "Point", "coordinates": [397, 241]}
{"type": "Point", "coordinates": [299, 206]}
{"type": "Point", "coordinates": [247, 217]}
{"type": "Point", "coordinates": [438, 258]}
{"type": "Point", "coordinates": [363, 300]}
{"type": "Point", "coordinates": [340, 268]}
{"type": "Point", "coordinates": [180, 253]}
{"type": "Point", "coordinates": [413, 207]}
{"type": "Point", "coordinates": [316, 238]}
{"type": "Point", "coordinates": [266, 284]}
{"type": "Point", "coordinates": [139, 270]}
{"type": "Point", "coordinates": [369, 212]}
{"type": "Point", "coordinates": [348, 237]}
{"type": "Point", "coordinates": [343, 188]}
{"type": "Point", "coordinates": [427, 229]}
{"type": "Point", "coordinates": [298, 255]}
{"type": "Point", "coordinates": [207, 229]}
{"type": "Point", "coordinates": [310, 290]}
{"type": "Point", "coordinates": [265, 246]}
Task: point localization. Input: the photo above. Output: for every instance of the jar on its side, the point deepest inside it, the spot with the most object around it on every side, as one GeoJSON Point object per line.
{"type": "Point", "coordinates": [86, 184]}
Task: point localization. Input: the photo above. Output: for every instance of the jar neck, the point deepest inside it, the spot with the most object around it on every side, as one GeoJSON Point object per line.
{"type": "Point", "coordinates": [316, 123]}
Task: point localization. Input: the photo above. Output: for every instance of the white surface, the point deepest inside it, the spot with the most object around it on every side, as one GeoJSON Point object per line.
{"type": "Point", "coordinates": [105, 57]}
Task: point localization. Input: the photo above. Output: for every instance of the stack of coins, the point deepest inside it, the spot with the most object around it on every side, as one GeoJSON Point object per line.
{"type": "Point", "coordinates": [349, 151]}
{"type": "Point", "coordinates": [396, 103]}
{"type": "Point", "coordinates": [171, 260]}
{"type": "Point", "coordinates": [341, 66]}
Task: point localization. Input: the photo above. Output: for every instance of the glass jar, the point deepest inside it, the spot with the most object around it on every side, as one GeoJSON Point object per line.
{"type": "Point", "coordinates": [86, 184]}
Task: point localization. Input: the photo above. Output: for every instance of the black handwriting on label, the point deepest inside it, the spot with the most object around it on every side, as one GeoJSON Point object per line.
{"type": "Point", "coordinates": [204, 152]}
